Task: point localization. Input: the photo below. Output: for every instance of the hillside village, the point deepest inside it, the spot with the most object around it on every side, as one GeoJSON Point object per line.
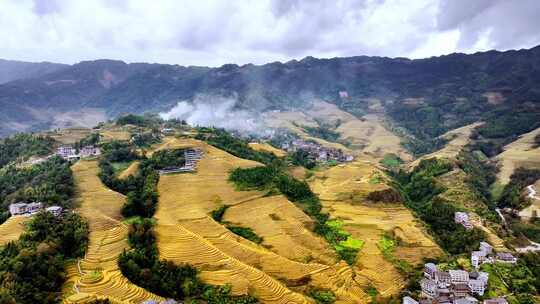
{"type": "Point", "coordinates": [197, 161]}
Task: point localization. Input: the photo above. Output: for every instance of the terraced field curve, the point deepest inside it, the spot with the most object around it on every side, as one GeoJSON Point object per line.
{"type": "Point", "coordinates": [11, 229]}
{"type": "Point", "coordinates": [343, 190]}
{"type": "Point", "coordinates": [186, 234]}
{"type": "Point", "coordinates": [97, 275]}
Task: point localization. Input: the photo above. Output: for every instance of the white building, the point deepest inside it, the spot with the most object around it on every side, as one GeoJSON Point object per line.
{"type": "Point", "coordinates": [443, 278]}
{"type": "Point", "coordinates": [485, 247]}
{"type": "Point", "coordinates": [506, 257]}
{"type": "Point", "coordinates": [478, 258]}
{"type": "Point", "coordinates": [429, 288]}
{"type": "Point", "coordinates": [66, 152]}
{"type": "Point", "coordinates": [34, 207]}
{"type": "Point", "coordinates": [55, 210]}
{"type": "Point", "coordinates": [459, 276]}
{"type": "Point", "coordinates": [463, 219]}
{"type": "Point", "coordinates": [89, 151]}
{"type": "Point", "coordinates": [17, 209]}
{"type": "Point", "coordinates": [409, 300]}
{"type": "Point", "coordinates": [477, 286]}
{"type": "Point", "coordinates": [22, 208]}
{"type": "Point", "coordinates": [429, 270]}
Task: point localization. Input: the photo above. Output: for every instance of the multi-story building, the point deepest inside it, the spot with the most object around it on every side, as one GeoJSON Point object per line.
{"type": "Point", "coordinates": [443, 278]}
{"type": "Point", "coordinates": [22, 208]}
{"type": "Point", "coordinates": [89, 151]}
{"type": "Point", "coordinates": [459, 276]}
{"type": "Point", "coordinates": [34, 207]}
{"type": "Point", "coordinates": [463, 219]}
{"type": "Point", "coordinates": [429, 288]}
{"type": "Point", "coordinates": [485, 247]}
{"type": "Point", "coordinates": [17, 209]}
{"type": "Point", "coordinates": [477, 286]}
{"type": "Point", "coordinates": [506, 257]}
{"type": "Point", "coordinates": [478, 258]}
{"type": "Point", "coordinates": [66, 152]}
{"type": "Point", "coordinates": [429, 270]}
{"type": "Point", "coordinates": [461, 290]}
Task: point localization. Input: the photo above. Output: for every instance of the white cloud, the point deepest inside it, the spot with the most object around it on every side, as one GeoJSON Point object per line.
{"type": "Point", "coordinates": [214, 32]}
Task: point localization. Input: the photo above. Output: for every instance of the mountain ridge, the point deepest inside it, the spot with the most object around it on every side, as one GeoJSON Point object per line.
{"type": "Point", "coordinates": [450, 88]}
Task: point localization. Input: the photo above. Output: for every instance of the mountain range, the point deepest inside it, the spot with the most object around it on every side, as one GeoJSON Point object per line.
{"type": "Point", "coordinates": [424, 96]}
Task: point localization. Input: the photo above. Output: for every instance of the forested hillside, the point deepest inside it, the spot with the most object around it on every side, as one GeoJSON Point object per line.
{"type": "Point", "coordinates": [427, 96]}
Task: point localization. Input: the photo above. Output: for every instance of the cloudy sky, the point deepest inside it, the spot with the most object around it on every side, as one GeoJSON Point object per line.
{"type": "Point", "coordinates": [208, 32]}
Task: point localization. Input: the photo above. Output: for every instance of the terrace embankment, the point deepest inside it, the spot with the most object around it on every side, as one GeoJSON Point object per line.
{"type": "Point", "coordinates": [277, 270]}
{"type": "Point", "coordinates": [12, 228]}
{"type": "Point", "coordinates": [97, 275]}
{"type": "Point", "coordinates": [266, 147]}
{"type": "Point", "coordinates": [519, 153]}
{"type": "Point", "coordinates": [343, 190]}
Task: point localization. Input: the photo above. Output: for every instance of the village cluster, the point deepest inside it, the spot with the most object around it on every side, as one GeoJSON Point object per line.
{"type": "Point", "coordinates": [460, 286]}
{"type": "Point", "coordinates": [70, 153]}
{"type": "Point", "coordinates": [316, 151]}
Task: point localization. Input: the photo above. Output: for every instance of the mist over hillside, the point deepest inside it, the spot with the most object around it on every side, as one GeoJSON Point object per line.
{"type": "Point", "coordinates": [425, 97]}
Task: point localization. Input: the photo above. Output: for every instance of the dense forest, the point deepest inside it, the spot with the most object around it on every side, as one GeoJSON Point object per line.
{"type": "Point", "coordinates": [50, 182]}
{"type": "Point", "coordinates": [420, 191]}
{"type": "Point", "coordinates": [32, 269]}
{"type": "Point", "coordinates": [23, 145]}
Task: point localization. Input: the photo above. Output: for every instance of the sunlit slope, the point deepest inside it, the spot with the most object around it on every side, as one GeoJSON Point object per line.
{"type": "Point", "coordinates": [342, 190]}
{"type": "Point", "coordinates": [97, 275]}
{"type": "Point", "coordinates": [11, 229]}
{"type": "Point", "coordinates": [367, 135]}
{"type": "Point", "coordinates": [457, 139]}
{"type": "Point", "coordinates": [130, 170]}
{"type": "Point", "coordinates": [520, 153]}
{"type": "Point", "coordinates": [267, 148]}
{"type": "Point", "coordinates": [186, 234]}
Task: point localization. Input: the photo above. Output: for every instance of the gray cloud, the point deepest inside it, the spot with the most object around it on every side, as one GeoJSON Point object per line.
{"type": "Point", "coordinates": [214, 32]}
{"type": "Point", "coordinates": [491, 23]}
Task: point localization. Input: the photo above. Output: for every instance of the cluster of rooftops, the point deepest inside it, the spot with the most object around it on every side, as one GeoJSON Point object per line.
{"type": "Point", "coordinates": [316, 151]}
{"type": "Point", "coordinates": [460, 286]}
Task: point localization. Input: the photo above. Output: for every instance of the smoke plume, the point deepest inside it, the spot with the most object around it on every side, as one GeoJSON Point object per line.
{"type": "Point", "coordinates": [215, 111]}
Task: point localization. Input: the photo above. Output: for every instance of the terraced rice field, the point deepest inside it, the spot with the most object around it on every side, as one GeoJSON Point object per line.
{"type": "Point", "coordinates": [266, 147]}
{"type": "Point", "coordinates": [457, 139]}
{"type": "Point", "coordinates": [97, 275]}
{"type": "Point", "coordinates": [70, 136]}
{"type": "Point", "coordinates": [342, 190]}
{"type": "Point", "coordinates": [367, 135]}
{"type": "Point", "coordinates": [272, 270]}
{"type": "Point", "coordinates": [492, 237]}
{"type": "Point", "coordinates": [11, 229]}
{"type": "Point", "coordinates": [115, 134]}
{"type": "Point", "coordinates": [519, 153]}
